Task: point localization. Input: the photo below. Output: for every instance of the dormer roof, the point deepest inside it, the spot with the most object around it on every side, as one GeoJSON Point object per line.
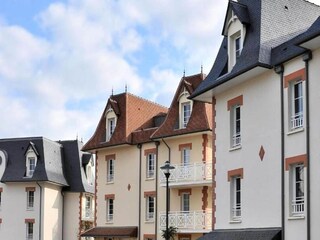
{"type": "Point", "coordinates": [238, 9]}
{"type": "Point", "coordinates": [272, 23]}
{"type": "Point", "coordinates": [33, 147]}
{"type": "Point", "coordinates": [134, 114]}
{"type": "Point", "coordinates": [200, 119]}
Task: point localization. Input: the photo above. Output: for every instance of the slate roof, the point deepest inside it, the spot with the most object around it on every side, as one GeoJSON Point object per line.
{"type": "Point", "coordinates": [49, 164]}
{"type": "Point", "coordinates": [247, 234]}
{"type": "Point", "coordinates": [271, 23]}
{"type": "Point", "coordinates": [134, 114]}
{"type": "Point", "coordinates": [75, 162]}
{"type": "Point", "coordinates": [60, 162]}
{"type": "Point", "coordinates": [201, 116]}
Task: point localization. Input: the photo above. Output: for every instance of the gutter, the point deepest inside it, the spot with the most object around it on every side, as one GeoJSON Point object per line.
{"type": "Point", "coordinates": [40, 210]}
{"type": "Point", "coordinates": [280, 70]}
{"type": "Point", "coordinates": [306, 58]}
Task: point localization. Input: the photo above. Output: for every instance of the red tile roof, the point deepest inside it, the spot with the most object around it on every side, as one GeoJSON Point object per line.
{"type": "Point", "coordinates": [201, 116]}
{"type": "Point", "coordinates": [133, 114]}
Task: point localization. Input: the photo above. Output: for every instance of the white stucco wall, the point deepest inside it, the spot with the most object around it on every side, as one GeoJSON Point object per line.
{"type": "Point", "coordinates": [71, 215]}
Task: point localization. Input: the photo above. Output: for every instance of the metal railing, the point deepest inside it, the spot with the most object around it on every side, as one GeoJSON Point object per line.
{"type": "Point", "coordinates": [196, 172]}
{"type": "Point", "coordinates": [191, 220]}
{"type": "Point", "coordinates": [236, 140]}
{"type": "Point", "coordinates": [298, 206]}
{"type": "Point", "coordinates": [297, 120]}
{"type": "Point", "coordinates": [236, 213]}
{"type": "Point", "coordinates": [88, 214]}
{"type": "Point", "coordinates": [110, 178]}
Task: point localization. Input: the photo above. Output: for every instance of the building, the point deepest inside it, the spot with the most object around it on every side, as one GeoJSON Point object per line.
{"type": "Point", "coordinates": [46, 189]}
{"type": "Point", "coordinates": [133, 139]}
{"type": "Point", "coordinates": [264, 88]}
{"type": "Point", "coordinates": [186, 141]}
{"type": "Point", "coordinates": [126, 176]}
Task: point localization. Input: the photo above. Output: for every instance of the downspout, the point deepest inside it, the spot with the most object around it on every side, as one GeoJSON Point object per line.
{"type": "Point", "coordinates": [157, 143]}
{"type": "Point", "coordinates": [40, 210]}
{"type": "Point", "coordinates": [139, 146]}
{"type": "Point", "coordinates": [306, 58]}
{"type": "Point", "coordinates": [169, 159]}
{"type": "Point", "coordinates": [280, 70]}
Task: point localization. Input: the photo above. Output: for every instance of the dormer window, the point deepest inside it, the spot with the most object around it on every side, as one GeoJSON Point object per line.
{"type": "Point", "coordinates": [237, 47]}
{"type": "Point", "coordinates": [89, 172]}
{"type": "Point", "coordinates": [185, 109]}
{"type": "Point", "coordinates": [111, 122]}
{"type": "Point", "coordinates": [31, 160]}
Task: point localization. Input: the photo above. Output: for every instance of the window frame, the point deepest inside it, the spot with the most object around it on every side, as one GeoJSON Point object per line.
{"type": "Point", "coordinates": [235, 125]}
{"type": "Point", "coordinates": [297, 201]}
{"type": "Point", "coordinates": [236, 199]}
{"type": "Point", "coordinates": [150, 204]}
{"type": "Point", "coordinates": [110, 210]}
{"type": "Point", "coordinates": [30, 200]}
{"type": "Point", "coordinates": [185, 201]}
{"type": "Point", "coordinates": [185, 113]}
{"type": "Point", "coordinates": [237, 47]}
{"type": "Point", "coordinates": [296, 110]}
{"type": "Point", "coordinates": [110, 170]}
{"type": "Point", "coordinates": [150, 174]}
{"type": "Point", "coordinates": [29, 230]}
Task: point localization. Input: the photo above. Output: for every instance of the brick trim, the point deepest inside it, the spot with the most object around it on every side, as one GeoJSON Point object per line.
{"type": "Point", "coordinates": [96, 191]}
{"type": "Point", "coordinates": [235, 101]}
{"type": "Point", "coordinates": [150, 236]}
{"type": "Point", "coordinates": [109, 196]}
{"type": "Point", "coordinates": [185, 145]}
{"type": "Point", "coordinates": [184, 235]}
{"type": "Point", "coordinates": [235, 173]}
{"type": "Point", "coordinates": [80, 215]}
{"type": "Point", "coordinates": [214, 148]}
{"type": "Point", "coordinates": [296, 160]}
{"type": "Point", "coordinates": [29, 220]}
{"type": "Point", "coordinates": [149, 194]}
{"type": "Point", "coordinates": [1, 189]}
{"type": "Point", "coordinates": [30, 189]}
{"type": "Point", "coordinates": [150, 151]}
{"type": "Point", "coordinates": [295, 76]}
{"type": "Point", "coordinates": [187, 190]}
{"type": "Point", "coordinates": [109, 157]}
{"type": "Point", "coordinates": [204, 147]}
{"type": "Point", "coordinates": [204, 198]}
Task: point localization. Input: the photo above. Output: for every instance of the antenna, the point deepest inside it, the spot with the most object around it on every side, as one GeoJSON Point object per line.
{"type": "Point", "coordinates": [126, 88]}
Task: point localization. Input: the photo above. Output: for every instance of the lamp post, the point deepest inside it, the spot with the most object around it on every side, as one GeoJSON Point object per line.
{"type": "Point", "coordinates": [166, 170]}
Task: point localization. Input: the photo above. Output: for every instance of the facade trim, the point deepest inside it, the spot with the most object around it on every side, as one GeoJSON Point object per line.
{"type": "Point", "coordinates": [295, 76]}
{"type": "Point", "coordinates": [295, 160]}
{"type": "Point", "coordinates": [109, 196]}
{"type": "Point", "coordinates": [110, 157]}
{"type": "Point", "coordinates": [150, 151]}
{"type": "Point", "coordinates": [186, 190]}
{"type": "Point", "coordinates": [235, 173]}
{"type": "Point", "coordinates": [149, 236]}
{"type": "Point", "coordinates": [29, 220]}
{"type": "Point", "coordinates": [183, 235]}
{"type": "Point", "coordinates": [235, 101]}
{"type": "Point", "coordinates": [149, 194]}
{"type": "Point", "coordinates": [28, 189]}
{"type": "Point", "coordinates": [185, 145]}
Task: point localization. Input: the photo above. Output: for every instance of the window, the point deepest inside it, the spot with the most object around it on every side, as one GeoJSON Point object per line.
{"type": "Point", "coordinates": [185, 156]}
{"type": "Point", "coordinates": [235, 126]}
{"type": "Point", "coordinates": [297, 199]}
{"type": "Point", "coordinates": [29, 230]}
{"type": "Point", "coordinates": [150, 208]}
{"type": "Point", "coordinates": [30, 200]}
{"type": "Point", "coordinates": [235, 198]}
{"type": "Point", "coordinates": [110, 209]}
{"type": "Point", "coordinates": [185, 202]}
{"type": "Point", "coordinates": [88, 210]}
{"type": "Point", "coordinates": [111, 127]}
{"type": "Point", "coordinates": [237, 43]}
{"type": "Point", "coordinates": [185, 114]}
{"type": "Point", "coordinates": [296, 105]}
{"type": "Point", "coordinates": [110, 170]}
{"type": "Point", "coordinates": [150, 165]}
{"type": "Point", "coordinates": [31, 165]}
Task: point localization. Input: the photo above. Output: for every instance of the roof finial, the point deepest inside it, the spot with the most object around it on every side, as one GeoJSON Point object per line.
{"type": "Point", "coordinates": [126, 88]}
{"type": "Point", "coordinates": [184, 73]}
{"type": "Point", "coordinates": [201, 68]}
{"type": "Point", "coordinates": [112, 91]}
{"type": "Point", "coordinates": [77, 137]}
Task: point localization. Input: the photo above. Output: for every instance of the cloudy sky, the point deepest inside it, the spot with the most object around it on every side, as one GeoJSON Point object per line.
{"type": "Point", "coordinates": [60, 60]}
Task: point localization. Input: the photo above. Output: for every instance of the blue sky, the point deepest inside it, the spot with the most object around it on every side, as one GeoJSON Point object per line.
{"type": "Point", "coordinates": [60, 60]}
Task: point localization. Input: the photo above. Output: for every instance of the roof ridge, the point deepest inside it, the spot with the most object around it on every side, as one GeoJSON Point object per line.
{"type": "Point", "coordinates": [312, 3]}
{"type": "Point", "coordinates": [146, 100]}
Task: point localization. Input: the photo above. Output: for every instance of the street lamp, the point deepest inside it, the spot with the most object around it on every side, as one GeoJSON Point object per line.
{"type": "Point", "coordinates": [166, 170]}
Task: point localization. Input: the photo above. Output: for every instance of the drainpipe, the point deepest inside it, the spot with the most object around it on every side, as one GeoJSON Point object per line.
{"type": "Point", "coordinates": [139, 146]}
{"type": "Point", "coordinates": [306, 58]}
{"type": "Point", "coordinates": [40, 210]}
{"type": "Point", "coordinates": [280, 70]}
{"type": "Point", "coordinates": [157, 143]}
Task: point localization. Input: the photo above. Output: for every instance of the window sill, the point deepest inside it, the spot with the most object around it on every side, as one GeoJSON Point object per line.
{"type": "Point", "coordinates": [297, 130]}
{"type": "Point", "coordinates": [235, 148]}
{"type": "Point", "coordinates": [300, 217]}
{"type": "Point", "coordinates": [108, 183]}
{"type": "Point", "coordinates": [149, 221]}
{"type": "Point", "coordinates": [150, 179]}
{"type": "Point", "coordinates": [109, 222]}
{"type": "Point", "coordinates": [235, 221]}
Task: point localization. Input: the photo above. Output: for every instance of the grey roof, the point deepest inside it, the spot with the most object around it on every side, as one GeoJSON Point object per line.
{"type": "Point", "coordinates": [247, 234]}
{"type": "Point", "coordinates": [272, 23]}
{"type": "Point", "coordinates": [75, 162]}
{"type": "Point", "coordinates": [49, 164]}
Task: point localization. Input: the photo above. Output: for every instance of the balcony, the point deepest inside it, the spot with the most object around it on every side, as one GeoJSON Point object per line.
{"type": "Point", "coordinates": [188, 222]}
{"type": "Point", "coordinates": [196, 174]}
{"type": "Point", "coordinates": [297, 121]}
{"type": "Point", "coordinates": [88, 215]}
{"type": "Point", "coordinates": [298, 206]}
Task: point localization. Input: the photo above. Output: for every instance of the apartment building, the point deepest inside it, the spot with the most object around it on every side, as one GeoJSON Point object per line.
{"type": "Point", "coordinates": [264, 91]}
{"type": "Point", "coordinates": [126, 173]}
{"type": "Point", "coordinates": [133, 139]}
{"type": "Point", "coordinates": [46, 189]}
